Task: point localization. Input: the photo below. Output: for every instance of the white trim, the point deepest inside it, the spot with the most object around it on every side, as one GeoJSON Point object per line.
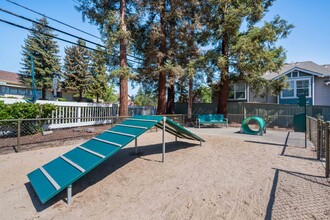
{"type": "Point", "coordinates": [120, 133]}
{"type": "Point", "coordinates": [92, 152]}
{"type": "Point", "coordinates": [298, 69]}
{"type": "Point", "coordinates": [313, 90]}
{"type": "Point", "coordinates": [132, 126]}
{"type": "Point", "coordinates": [50, 178]}
{"type": "Point", "coordinates": [107, 142]}
{"type": "Point", "coordinates": [73, 163]}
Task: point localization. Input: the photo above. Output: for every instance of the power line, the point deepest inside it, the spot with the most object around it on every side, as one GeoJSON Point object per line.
{"type": "Point", "coordinates": [63, 32]}
{"type": "Point", "coordinates": [58, 38]}
{"type": "Point", "coordinates": [53, 19]}
{"type": "Point", "coordinates": [55, 29]}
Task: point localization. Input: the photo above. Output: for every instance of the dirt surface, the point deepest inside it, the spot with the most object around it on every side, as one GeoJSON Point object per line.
{"type": "Point", "coordinates": [225, 178]}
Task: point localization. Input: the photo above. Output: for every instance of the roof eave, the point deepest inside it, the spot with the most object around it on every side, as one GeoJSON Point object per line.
{"type": "Point", "coordinates": [301, 69]}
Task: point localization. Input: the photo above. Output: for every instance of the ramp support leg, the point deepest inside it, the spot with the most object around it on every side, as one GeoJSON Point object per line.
{"type": "Point", "coordinates": [136, 150]}
{"type": "Point", "coordinates": [69, 196]}
{"type": "Point", "coordinates": [163, 156]}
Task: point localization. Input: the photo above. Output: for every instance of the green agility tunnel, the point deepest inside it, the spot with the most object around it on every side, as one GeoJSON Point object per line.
{"type": "Point", "coordinates": [245, 128]}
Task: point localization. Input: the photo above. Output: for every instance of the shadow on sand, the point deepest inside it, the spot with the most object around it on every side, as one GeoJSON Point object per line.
{"type": "Point", "coordinates": [109, 166]}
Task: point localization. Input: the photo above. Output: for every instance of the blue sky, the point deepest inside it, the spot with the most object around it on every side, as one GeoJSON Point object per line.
{"type": "Point", "coordinates": [309, 40]}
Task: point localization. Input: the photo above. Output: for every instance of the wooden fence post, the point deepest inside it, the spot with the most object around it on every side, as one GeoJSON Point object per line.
{"type": "Point", "coordinates": [18, 147]}
{"type": "Point", "coordinates": [327, 149]}
{"type": "Point", "coordinates": [318, 139]}
{"type": "Point", "coordinates": [309, 128]}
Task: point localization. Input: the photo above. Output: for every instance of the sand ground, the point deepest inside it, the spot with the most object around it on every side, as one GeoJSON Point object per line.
{"type": "Point", "coordinates": [228, 177]}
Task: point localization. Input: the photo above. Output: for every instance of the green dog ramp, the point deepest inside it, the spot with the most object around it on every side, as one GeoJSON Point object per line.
{"type": "Point", "coordinates": [59, 174]}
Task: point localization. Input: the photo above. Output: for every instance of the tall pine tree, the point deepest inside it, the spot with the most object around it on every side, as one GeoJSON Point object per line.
{"type": "Point", "coordinates": [241, 45]}
{"type": "Point", "coordinates": [113, 17]}
{"type": "Point", "coordinates": [76, 66]}
{"type": "Point", "coordinates": [41, 45]}
{"type": "Point", "coordinates": [157, 40]}
{"type": "Point", "coordinates": [99, 81]}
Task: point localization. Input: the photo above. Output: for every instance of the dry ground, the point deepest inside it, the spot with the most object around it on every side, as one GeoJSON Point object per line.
{"type": "Point", "coordinates": [226, 178]}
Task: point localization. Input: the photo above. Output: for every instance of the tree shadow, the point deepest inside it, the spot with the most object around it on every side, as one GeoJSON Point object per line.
{"type": "Point", "coordinates": [271, 201]}
{"type": "Point", "coordinates": [115, 162]}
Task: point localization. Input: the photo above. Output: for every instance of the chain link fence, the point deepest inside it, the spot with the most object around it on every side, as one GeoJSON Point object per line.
{"type": "Point", "coordinates": [25, 134]}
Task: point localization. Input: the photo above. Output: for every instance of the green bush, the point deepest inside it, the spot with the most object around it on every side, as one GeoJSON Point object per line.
{"type": "Point", "coordinates": [24, 110]}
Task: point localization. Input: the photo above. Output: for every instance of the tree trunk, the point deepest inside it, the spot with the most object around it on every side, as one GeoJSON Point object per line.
{"type": "Point", "coordinates": [43, 93]}
{"type": "Point", "coordinates": [123, 96]}
{"type": "Point", "coordinates": [171, 74]}
{"type": "Point", "coordinates": [224, 82]}
{"type": "Point", "coordinates": [190, 98]}
{"type": "Point", "coordinates": [161, 108]}
{"type": "Point", "coordinates": [80, 94]}
{"type": "Point", "coordinates": [97, 98]}
{"type": "Point", "coordinates": [170, 94]}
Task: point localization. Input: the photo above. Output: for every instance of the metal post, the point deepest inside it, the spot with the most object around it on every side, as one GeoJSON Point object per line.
{"type": "Point", "coordinates": [176, 139]}
{"type": "Point", "coordinates": [69, 196]}
{"type": "Point", "coordinates": [327, 149]}
{"type": "Point", "coordinates": [136, 150]}
{"type": "Point", "coordinates": [163, 156]}
{"type": "Point", "coordinates": [200, 143]}
{"type": "Point", "coordinates": [18, 147]}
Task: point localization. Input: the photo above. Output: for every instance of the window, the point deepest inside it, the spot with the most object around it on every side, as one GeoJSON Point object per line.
{"type": "Point", "coordinates": [12, 91]}
{"type": "Point", "coordinates": [289, 92]}
{"type": "Point", "coordinates": [237, 91]}
{"type": "Point", "coordinates": [2, 90]}
{"type": "Point", "coordinates": [296, 88]}
{"type": "Point", "coordinates": [21, 91]}
{"type": "Point", "coordinates": [301, 86]}
{"type": "Point", "coordinates": [295, 74]}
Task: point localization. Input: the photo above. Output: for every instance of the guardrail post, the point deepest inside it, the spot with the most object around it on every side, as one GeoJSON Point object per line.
{"type": "Point", "coordinates": [318, 139]}
{"type": "Point", "coordinates": [18, 147]}
{"type": "Point", "coordinates": [327, 149]}
{"type": "Point", "coordinates": [163, 138]}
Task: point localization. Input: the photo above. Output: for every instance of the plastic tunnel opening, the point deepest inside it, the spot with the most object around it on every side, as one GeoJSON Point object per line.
{"type": "Point", "coordinates": [253, 125]}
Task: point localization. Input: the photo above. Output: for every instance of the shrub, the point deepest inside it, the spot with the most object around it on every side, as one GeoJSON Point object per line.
{"type": "Point", "coordinates": [23, 110]}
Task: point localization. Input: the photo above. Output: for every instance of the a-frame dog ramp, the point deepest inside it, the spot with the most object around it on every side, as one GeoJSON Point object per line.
{"type": "Point", "coordinates": [58, 174]}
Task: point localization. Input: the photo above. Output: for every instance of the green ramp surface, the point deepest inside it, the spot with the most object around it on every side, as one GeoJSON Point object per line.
{"type": "Point", "coordinates": [53, 177]}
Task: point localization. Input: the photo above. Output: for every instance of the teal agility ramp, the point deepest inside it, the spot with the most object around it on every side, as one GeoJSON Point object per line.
{"type": "Point", "coordinates": [59, 174]}
{"type": "Point", "coordinates": [245, 128]}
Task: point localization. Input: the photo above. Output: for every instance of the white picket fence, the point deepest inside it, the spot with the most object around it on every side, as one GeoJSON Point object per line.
{"type": "Point", "coordinates": [76, 114]}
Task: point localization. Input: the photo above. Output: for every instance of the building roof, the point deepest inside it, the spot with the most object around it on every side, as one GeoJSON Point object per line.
{"type": "Point", "coordinates": [10, 77]}
{"type": "Point", "coordinates": [309, 66]}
